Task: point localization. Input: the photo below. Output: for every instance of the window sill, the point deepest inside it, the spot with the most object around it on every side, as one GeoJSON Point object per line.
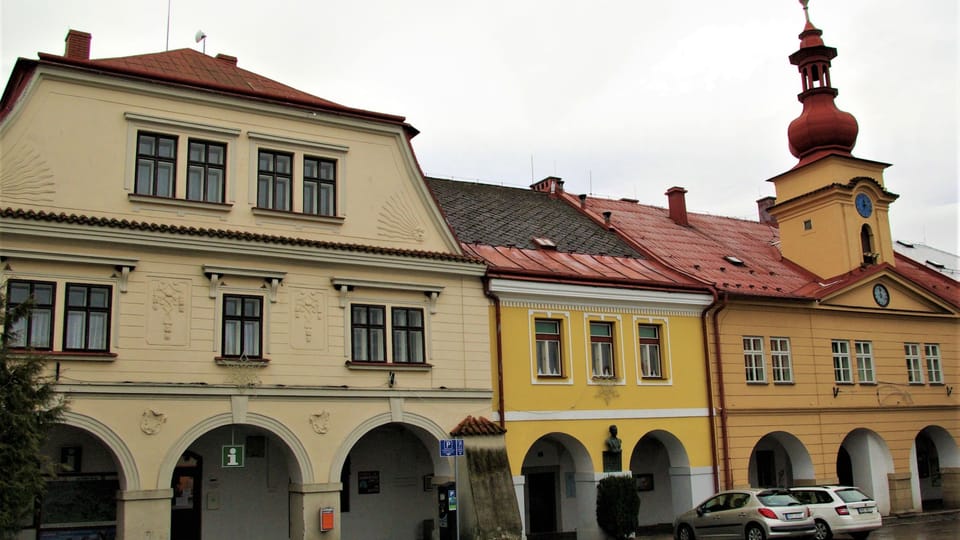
{"type": "Point", "coordinates": [182, 203]}
{"type": "Point", "coordinates": [551, 376]}
{"type": "Point", "coordinates": [297, 216]}
{"type": "Point", "coordinates": [758, 383]}
{"type": "Point", "coordinates": [236, 362]}
{"type": "Point", "coordinates": [66, 355]}
{"type": "Point", "coordinates": [652, 378]}
{"type": "Point", "coordinates": [388, 366]}
{"type": "Point", "coordinates": [868, 383]}
{"type": "Point", "coordinates": [784, 383]}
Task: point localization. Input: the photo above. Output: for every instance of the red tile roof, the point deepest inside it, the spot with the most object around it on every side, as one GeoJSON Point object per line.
{"type": "Point", "coordinates": [742, 257]}
{"type": "Point", "coordinates": [187, 67]}
{"type": "Point", "coordinates": [471, 427]}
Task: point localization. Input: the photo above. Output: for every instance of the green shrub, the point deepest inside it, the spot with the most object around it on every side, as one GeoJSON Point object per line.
{"type": "Point", "coordinates": [617, 506]}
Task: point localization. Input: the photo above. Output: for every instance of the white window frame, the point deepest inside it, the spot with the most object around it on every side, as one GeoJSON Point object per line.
{"type": "Point", "coordinates": [781, 360]}
{"type": "Point", "coordinates": [754, 363]}
{"type": "Point", "coordinates": [931, 352]}
{"type": "Point", "coordinates": [911, 353]}
{"type": "Point", "coordinates": [566, 366]}
{"type": "Point", "coordinates": [842, 368]}
{"type": "Point", "coordinates": [866, 373]}
{"type": "Point", "coordinates": [666, 364]}
{"type": "Point", "coordinates": [616, 348]}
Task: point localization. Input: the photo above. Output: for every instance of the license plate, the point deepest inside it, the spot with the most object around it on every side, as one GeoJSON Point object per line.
{"type": "Point", "coordinates": [795, 515]}
{"type": "Point", "coordinates": [867, 510]}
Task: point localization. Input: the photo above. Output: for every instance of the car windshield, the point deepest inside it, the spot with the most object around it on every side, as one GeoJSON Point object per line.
{"type": "Point", "coordinates": [777, 498]}
{"type": "Point", "coordinates": [852, 495]}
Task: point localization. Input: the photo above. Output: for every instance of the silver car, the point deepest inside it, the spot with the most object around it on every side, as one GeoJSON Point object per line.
{"type": "Point", "coordinates": [840, 510]}
{"type": "Point", "coordinates": [754, 514]}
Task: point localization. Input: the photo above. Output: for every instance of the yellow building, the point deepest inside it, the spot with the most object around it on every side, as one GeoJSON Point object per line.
{"type": "Point", "coordinates": [833, 359]}
{"type": "Point", "coordinates": [247, 295]}
{"type": "Point", "coordinates": [588, 334]}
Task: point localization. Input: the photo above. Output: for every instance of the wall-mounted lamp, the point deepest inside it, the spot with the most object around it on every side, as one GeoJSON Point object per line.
{"type": "Point", "coordinates": [392, 379]}
{"type": "Point", "coordinates": [836, 390]}
{"type": "Point", "coordinates": [949, 391]}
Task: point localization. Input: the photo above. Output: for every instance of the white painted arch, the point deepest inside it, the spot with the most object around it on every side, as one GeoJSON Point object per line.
{"type": "Point", "coordinates": [304, 470]}
{"type": "Point", "coordinates": [127, 465]}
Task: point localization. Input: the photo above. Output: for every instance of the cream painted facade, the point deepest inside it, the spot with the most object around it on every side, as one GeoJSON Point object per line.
{"type": "Point", "coordinates": [320, 429]}
{"type": "Point", "coordinates": [558, 420]}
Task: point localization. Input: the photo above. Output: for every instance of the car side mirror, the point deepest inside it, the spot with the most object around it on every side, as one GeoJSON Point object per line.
{"type": "Point", "coordinates": [699, 511]}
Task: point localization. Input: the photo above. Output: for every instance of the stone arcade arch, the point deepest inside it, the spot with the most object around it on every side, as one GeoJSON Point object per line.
{"type": "Point", "coordinates": [780, 459]}
{"type": "Point", "coordinates": [559, 492]}
{"type": "Point", "coordinates": [214, 502]}
{"type": "Point", "coordinates": [870, 464]}
{"type": "Point", "coordinates": [935, 469]}
{"type": "Point", "coordinates": [661, 468]}
{"type": "Point", "coordinates": [389, 471]}
{"type": "Point", "coordinates": [92, 464]}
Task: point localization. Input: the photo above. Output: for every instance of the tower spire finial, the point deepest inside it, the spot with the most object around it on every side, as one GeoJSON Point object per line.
{"type": "Point", "coordinates": [806, 11]}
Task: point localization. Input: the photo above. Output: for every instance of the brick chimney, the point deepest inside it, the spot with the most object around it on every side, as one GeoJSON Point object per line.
{"type": "Point", "coordinates": [763, 207]}
{"type": "Point", "coordinates": [551, 184]}
{"type": "Point", "coordinates": [78, 45]}
{"type": "Point", "coordinates": [232, 60]}
{"type": "Point", "coordinates": [678, 205]}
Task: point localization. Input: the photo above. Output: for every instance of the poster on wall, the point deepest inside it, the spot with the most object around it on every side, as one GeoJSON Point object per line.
{"type": "Point", "coordinates": [368, 482]}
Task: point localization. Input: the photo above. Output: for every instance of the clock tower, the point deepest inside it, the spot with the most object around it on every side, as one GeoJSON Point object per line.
{"type": "Point", "coordinates": [831, 207]}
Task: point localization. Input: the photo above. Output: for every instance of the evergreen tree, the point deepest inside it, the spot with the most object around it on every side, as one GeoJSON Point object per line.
{"type": "Point", "coordinates": [28, 408]}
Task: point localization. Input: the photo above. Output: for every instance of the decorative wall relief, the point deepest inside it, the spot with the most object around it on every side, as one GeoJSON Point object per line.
{"type": "Point", "coordinates": [168, 316]}
{"type": "Point", "coordinates": [320, 422]}
{"type": "Point", "coordinates": [308, 321]}
{"type": "Point", "coordinates": [25, 177]}
{"type": "Point", "coordinates": [398, 220]}
{"type": "Point", "coordinates": [151, 421]}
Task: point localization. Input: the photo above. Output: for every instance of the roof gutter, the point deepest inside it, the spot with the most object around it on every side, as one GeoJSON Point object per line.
{"type": "Point", "coordinates": [501, 412]}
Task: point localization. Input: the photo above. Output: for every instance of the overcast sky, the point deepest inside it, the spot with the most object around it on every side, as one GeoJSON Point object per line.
{"type": "Point", "coordinates": [620, 98]}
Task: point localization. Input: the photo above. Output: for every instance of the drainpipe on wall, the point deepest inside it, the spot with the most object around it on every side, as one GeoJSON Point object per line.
{"type": "Point", "coordinates": [496, 315]}
{"type": "Point", "coordinates": [710, 407]}
{"type": "Point", "coordinates": [721, 393]}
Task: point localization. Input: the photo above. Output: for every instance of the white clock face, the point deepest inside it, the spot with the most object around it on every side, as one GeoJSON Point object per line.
{"type": "Point", "coordinates": [881, 295]}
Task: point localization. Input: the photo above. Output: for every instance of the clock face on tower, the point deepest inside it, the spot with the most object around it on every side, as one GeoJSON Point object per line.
{"type": "Point", "coordinates": [864, 205]}
{"type": "Point", "coordinates": [881, 295]}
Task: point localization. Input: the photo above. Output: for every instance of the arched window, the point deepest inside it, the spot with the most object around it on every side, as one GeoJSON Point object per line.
{"type": "Point", "coordinates": [866, 245]}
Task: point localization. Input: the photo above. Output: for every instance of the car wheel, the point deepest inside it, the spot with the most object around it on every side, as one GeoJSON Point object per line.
{"type": "Point", "coordinates": [823, 531]}
{"type": "Point", "coordinates": [755, 532]}
{"type": "Point", "coordinates": [684, 533]}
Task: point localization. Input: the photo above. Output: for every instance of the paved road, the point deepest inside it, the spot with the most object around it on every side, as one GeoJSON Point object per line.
{"type": "Point", "coordinates": [945, 526]}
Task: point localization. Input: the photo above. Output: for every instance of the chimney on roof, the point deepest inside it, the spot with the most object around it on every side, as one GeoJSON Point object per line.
{"type": "Point", "coordinates": [551, 184]}
{"type": "Point", "coordinates": [676, 198]}
{"type": "Point", "coordinates": [78, 45]}
{"type": "Point", "coordinates": [606, 217]}
{"type": "Point", "coordinates": [583, 200]}
{"type": "Point", "coordinates": [227, 58]}
{"type": "Point", "coordinates": [763, 209]}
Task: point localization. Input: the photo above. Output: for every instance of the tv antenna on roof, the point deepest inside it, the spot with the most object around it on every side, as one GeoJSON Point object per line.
{"type": "Point", "coordinates": [202, 37]}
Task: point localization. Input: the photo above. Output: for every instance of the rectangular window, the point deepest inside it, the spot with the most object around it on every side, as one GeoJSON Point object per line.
{"type": "Point", "coordinates": [35, 328]}
{"type": "Point", "coordinates": [781, 363]}
{"type": "Point", "coordinates": [242, 326]}
{"type": "Point", "coordinates": [753, 359]}
{"type": "Point", "coordinates": [274, 179]}
{"type": "Point", "coordinates": [156, 164]}
{"type": "Point", "coordinates": [601, 350]}
{"type": "Point", "coordinates": [87, 318]}
{"type": "Point", "coordinates": [407, 326]}
{"type": "Point", "coordinates": [934, 370]}
{"type": "Point", "coordinates": [548, 348]}
{"type": "Point", "coordinates": [864, 350]}
{"type": "Point", "coordinates": [650, 365]}
{"type": "Point", "coordinates": [368, 330]}
{"type": "Point", "coordinates": [206, 171]}
{"type": "Point", "coordinates": [842, 373]}
{"type": "Point", "coordinates": [319, 186]}
{"type": "Point", "coordinates": [912, 353]}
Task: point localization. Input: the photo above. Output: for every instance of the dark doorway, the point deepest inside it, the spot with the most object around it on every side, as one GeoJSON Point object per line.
{"type": "Point", "coordinates": [844, 467]}
{"type": "Point", "coordinates": [542, 489]}
{"type": "Point", "coordinates": [766, 469]}
{"type": "Point", "coordinates": [185, 507]}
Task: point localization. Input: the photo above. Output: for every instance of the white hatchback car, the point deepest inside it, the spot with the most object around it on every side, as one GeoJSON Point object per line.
{"type": "Point", "coordinates": [840, 510]}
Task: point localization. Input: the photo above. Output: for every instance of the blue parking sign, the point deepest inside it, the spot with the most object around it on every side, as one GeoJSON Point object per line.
{"type": "Point", "coordinates": [451, 447]}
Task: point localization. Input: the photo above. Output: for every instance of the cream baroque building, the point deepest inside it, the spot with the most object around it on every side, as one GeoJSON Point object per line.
{"type": "Point", "coordinates": [247, 295]}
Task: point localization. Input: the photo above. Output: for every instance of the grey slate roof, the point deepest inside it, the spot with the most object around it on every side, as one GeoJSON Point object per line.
{"type": "Point", "coordinates": [506, 216]}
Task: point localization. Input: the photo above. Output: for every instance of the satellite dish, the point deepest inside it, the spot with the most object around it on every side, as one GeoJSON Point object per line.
{"type": "Point", "coordinates": [200, 36]}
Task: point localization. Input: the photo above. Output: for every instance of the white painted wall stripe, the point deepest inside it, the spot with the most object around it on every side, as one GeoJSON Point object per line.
{"type": "Point", "coordinates": [613, 414]}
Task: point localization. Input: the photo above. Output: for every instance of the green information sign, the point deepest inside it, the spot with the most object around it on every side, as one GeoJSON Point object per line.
{"type": "Point", "coordinates": [231, 456]}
